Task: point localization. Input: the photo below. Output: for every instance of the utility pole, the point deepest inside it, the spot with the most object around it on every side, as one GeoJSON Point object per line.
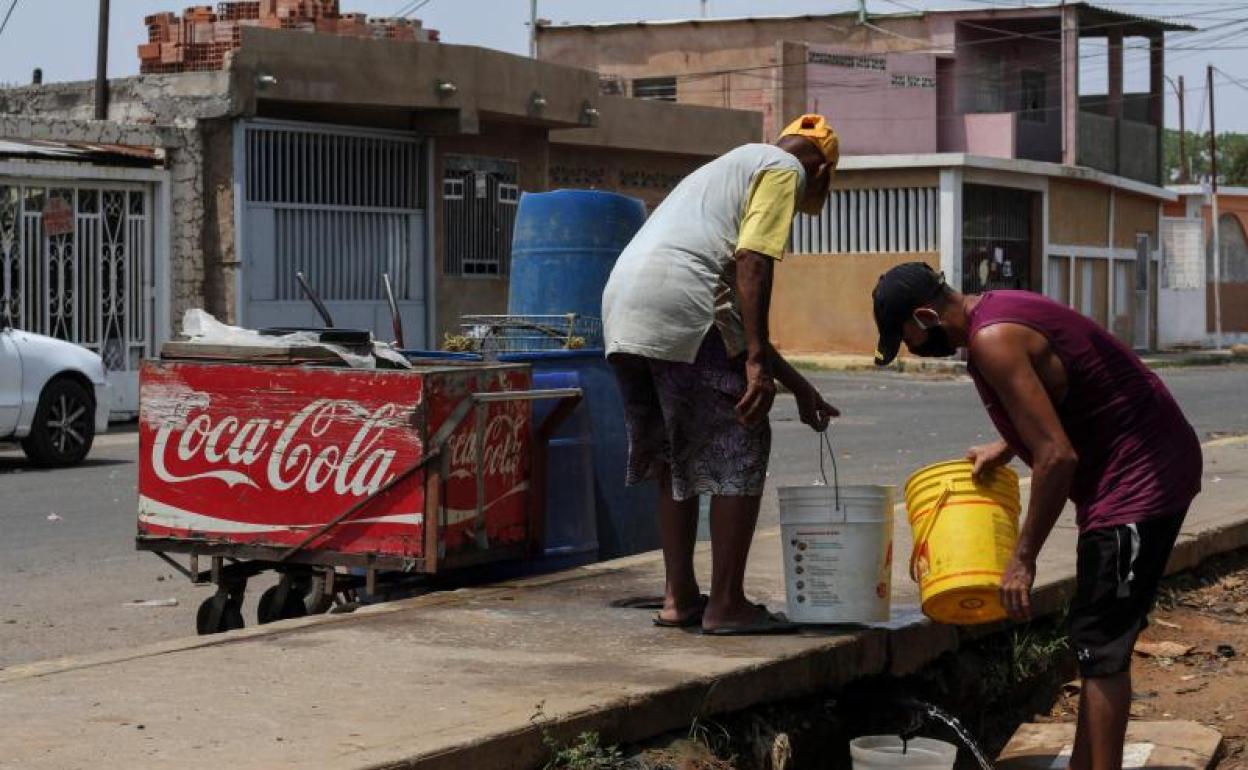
{"type": "Point", "coordinates": [1184, 168]}
{"type": "Point", "coordinates": [1217, 251]}
{"type": "Point", "coordinates": [705, 3]}
{"type": "Point", "coordinates": [532, 29]}
{"type": "Point", "coordinates": [862, 11]}
{"type": "Point", "coordinates": [101, 65]}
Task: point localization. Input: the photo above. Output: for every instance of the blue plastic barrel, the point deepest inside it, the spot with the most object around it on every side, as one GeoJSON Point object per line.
{"type": "Point", "coordinates": [627, 516]}
{"type": "Point", "coordinates": [564, 247]}
{"type": "Point", "coordinates": [571, 531]}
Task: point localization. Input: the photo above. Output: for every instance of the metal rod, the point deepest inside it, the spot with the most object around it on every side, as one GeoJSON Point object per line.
{"type": "Point", "coordinates": [315, 299]}
{"type": "Point", "coordinates": [395, 319]}
{"type": "Point", "coordinates": [101, 65]}
{"type": "Point", "coordinates": [185, 572]}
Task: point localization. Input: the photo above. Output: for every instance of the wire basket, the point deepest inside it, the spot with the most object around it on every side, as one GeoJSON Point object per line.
{"type": "Point", "coordinates": [493, 334]}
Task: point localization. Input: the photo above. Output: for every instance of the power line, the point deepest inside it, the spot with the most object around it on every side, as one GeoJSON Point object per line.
{"type": "Point", "coordinates": [5, 23]}
{"type": "Point", "coordinates": [412, 8]}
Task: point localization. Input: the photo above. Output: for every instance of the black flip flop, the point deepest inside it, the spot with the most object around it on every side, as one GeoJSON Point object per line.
{"type": "Point", "coordinates": [689, 621]}
{"type": "Point", "coordinates": [770, 624]}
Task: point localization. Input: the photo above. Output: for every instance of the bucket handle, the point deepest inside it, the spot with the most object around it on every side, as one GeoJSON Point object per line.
{"type": "Point", "coordinates": [825, 442]}
{"type": "Point", "coordinates": [924, 532]}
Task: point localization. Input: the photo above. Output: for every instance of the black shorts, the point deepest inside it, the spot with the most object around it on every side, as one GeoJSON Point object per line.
{"type": "Point", "coordinates": [1119, 570]}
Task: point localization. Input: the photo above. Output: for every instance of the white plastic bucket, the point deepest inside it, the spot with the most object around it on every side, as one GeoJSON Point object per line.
{"type": "Point", "coordinates": [877, 752]}
{"type": "Point", "coordinates": [838, 561]}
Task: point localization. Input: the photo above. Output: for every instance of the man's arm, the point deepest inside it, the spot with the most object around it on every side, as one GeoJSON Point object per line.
{"type": "Point", "coordinates": [761, 240]}
{"type": "Point", "coordinates": [811, 406]}
{"type": "Point", "coordinates": [754, 276]}
{"type": "Point", "coordinates": [1003, 354]}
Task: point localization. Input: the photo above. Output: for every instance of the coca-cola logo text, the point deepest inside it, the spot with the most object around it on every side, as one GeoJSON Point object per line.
{"type": "Point", "coordinates": [503, 448]}
{"type": "Point", "coordinates": [282, 455]}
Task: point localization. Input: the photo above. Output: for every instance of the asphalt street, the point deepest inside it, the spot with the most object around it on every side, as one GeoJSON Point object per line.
{"type": "Point", "coordinates": [70, 572]}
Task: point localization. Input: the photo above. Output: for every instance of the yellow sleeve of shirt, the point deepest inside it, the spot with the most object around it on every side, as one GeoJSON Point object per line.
{"type": "Point", "coordinates": [769, 213]}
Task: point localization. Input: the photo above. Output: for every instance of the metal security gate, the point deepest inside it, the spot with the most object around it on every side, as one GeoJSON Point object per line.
{"type": "Point", "coordinates": [996, 238]}
{"type": "Point", "coordinates": [341, 205]}
{"type": "Point", "coordinates": [76, 264]}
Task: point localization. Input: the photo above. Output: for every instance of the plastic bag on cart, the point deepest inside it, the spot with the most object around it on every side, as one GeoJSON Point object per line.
{"type": "Point", "coordinates": [200, 327]}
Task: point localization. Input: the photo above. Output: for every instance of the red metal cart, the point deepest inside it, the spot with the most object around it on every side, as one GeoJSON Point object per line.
{"type": "Point", "coordinates": [309, 469]}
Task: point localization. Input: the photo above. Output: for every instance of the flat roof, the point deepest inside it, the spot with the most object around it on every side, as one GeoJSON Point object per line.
{"type": "Point", "coordinates": [1200, 189]}
{"type": "Point", "coordinates": [1009, 165]}
{"type": "Point", "coordinates": [1090, 12]}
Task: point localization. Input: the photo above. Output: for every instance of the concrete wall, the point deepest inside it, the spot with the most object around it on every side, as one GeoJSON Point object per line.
{"type": "Point", "coordinates": [1134, 214]}
{"type": "Point", "coordinates": [1078, 213]}
{"type": "Point", "coordinates": [639, 124]}
{"type": "Point", "coordinates": [643, 175]}
{"type": "Point", "coordinates": [880, 103]}
{"type": "Point", "coordinates": [742, 55]}
{"type": "Point", "coordinates": [822, 302]}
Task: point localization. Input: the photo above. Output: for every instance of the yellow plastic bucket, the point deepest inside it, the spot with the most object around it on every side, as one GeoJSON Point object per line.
{"type": "Point", "coordinates": [964, 536]}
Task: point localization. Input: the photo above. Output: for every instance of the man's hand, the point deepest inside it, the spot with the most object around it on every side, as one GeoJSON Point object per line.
{"type": "Point", "coordinates": [1016, 585]}
{"type": "Point", "coordinates": [813, 410]}
{"type": "Point", "coordinates": [986, 457]}
{"type": "Point", "coordinates": [760, 392]}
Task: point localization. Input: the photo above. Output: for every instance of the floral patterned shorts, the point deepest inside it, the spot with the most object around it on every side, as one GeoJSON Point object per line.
{"type": "Point", "coordinates": [684, 415]}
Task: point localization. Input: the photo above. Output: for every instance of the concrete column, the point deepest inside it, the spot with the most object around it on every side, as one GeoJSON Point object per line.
{"type": "Point", "coordinates": [1156, 97]}
{"type": "Point", "coordinates": [951, 225]}
{"type": "Point", "coordinates": [1070, 84]}
{"type": "Point", "coordinates": [1115, 72]}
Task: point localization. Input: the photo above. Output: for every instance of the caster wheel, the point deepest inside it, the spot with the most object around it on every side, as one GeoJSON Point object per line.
{"type": "Point", "coordinates": [217, 614]}
{"type": "Point", "coordinates": [314, 599]}
{"type": "Point", "coordinates": [269, 610]}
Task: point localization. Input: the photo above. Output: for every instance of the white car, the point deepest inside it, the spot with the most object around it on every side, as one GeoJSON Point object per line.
{"type": "Point", "coordinates": [54, 396]}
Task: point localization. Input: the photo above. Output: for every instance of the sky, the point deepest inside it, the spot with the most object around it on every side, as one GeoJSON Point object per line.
{"type": "Point", "coordinates": [60, 36]}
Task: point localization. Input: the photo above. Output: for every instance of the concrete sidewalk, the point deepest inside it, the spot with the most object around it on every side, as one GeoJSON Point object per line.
{"type": "Point", "coordinates": [455, 680]}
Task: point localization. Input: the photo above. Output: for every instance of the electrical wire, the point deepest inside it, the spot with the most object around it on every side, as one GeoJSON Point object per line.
{"type": "Point", "coordinates": [4, 24]}
{"type": "Point", "coordinates": [412, 8]}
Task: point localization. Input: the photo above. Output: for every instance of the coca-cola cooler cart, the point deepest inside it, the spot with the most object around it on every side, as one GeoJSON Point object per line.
{"type": "Point", "coordinates": [333, 476]}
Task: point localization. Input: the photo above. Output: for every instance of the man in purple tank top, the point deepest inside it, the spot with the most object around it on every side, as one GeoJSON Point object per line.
{"type": "Point", "coordinates": [1097, 428]}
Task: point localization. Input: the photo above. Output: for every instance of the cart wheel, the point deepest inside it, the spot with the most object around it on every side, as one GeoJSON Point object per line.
{"type": "Point", "coordinates": [314, 599]}
{"type": "Point", "coordinates": [269, 611]}
{"type": "Point", "coordinates": [217, 614]}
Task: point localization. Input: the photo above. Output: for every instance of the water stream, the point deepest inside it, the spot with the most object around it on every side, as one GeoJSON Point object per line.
{"type": "Point", "coordinates": [935, 712]}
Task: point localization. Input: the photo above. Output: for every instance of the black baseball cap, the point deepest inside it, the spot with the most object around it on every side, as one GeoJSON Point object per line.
{"type": "Point", "coordinates": [897, 295]}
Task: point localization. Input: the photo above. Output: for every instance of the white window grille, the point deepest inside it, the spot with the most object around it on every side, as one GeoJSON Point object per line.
{"type": "Point", "coordinates": [76, 264]}
{"type": "Point", "coordinates": [891, 220]}
{"type": "Point", "coordinates": [477, 228]}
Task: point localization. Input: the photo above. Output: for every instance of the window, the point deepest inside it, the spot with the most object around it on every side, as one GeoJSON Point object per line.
{"type": "Point", "coordinates": [479, 197]}
{"type": "Point", "coordinates": [1032, 91]}
{"type": "Point", "coordinates": [658, 89]}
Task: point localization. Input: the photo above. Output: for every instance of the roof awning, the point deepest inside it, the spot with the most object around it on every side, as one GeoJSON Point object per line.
{"type": "Point", "coordinates": [82, 152]}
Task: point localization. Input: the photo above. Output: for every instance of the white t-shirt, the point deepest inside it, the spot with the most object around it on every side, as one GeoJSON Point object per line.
{"type": "Point", "coordinates": [678, 274]}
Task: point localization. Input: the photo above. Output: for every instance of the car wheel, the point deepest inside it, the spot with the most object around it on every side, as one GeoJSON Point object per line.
{"type": "Point", "coordinates": [64, 425]}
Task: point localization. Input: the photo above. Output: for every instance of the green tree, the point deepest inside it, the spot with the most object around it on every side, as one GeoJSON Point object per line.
{"type": "Point", "coordinates": [1232, 157]}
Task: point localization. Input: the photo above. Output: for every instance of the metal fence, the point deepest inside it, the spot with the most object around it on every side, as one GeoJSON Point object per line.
{"type": "Point", "coordinates": [876, 220]}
